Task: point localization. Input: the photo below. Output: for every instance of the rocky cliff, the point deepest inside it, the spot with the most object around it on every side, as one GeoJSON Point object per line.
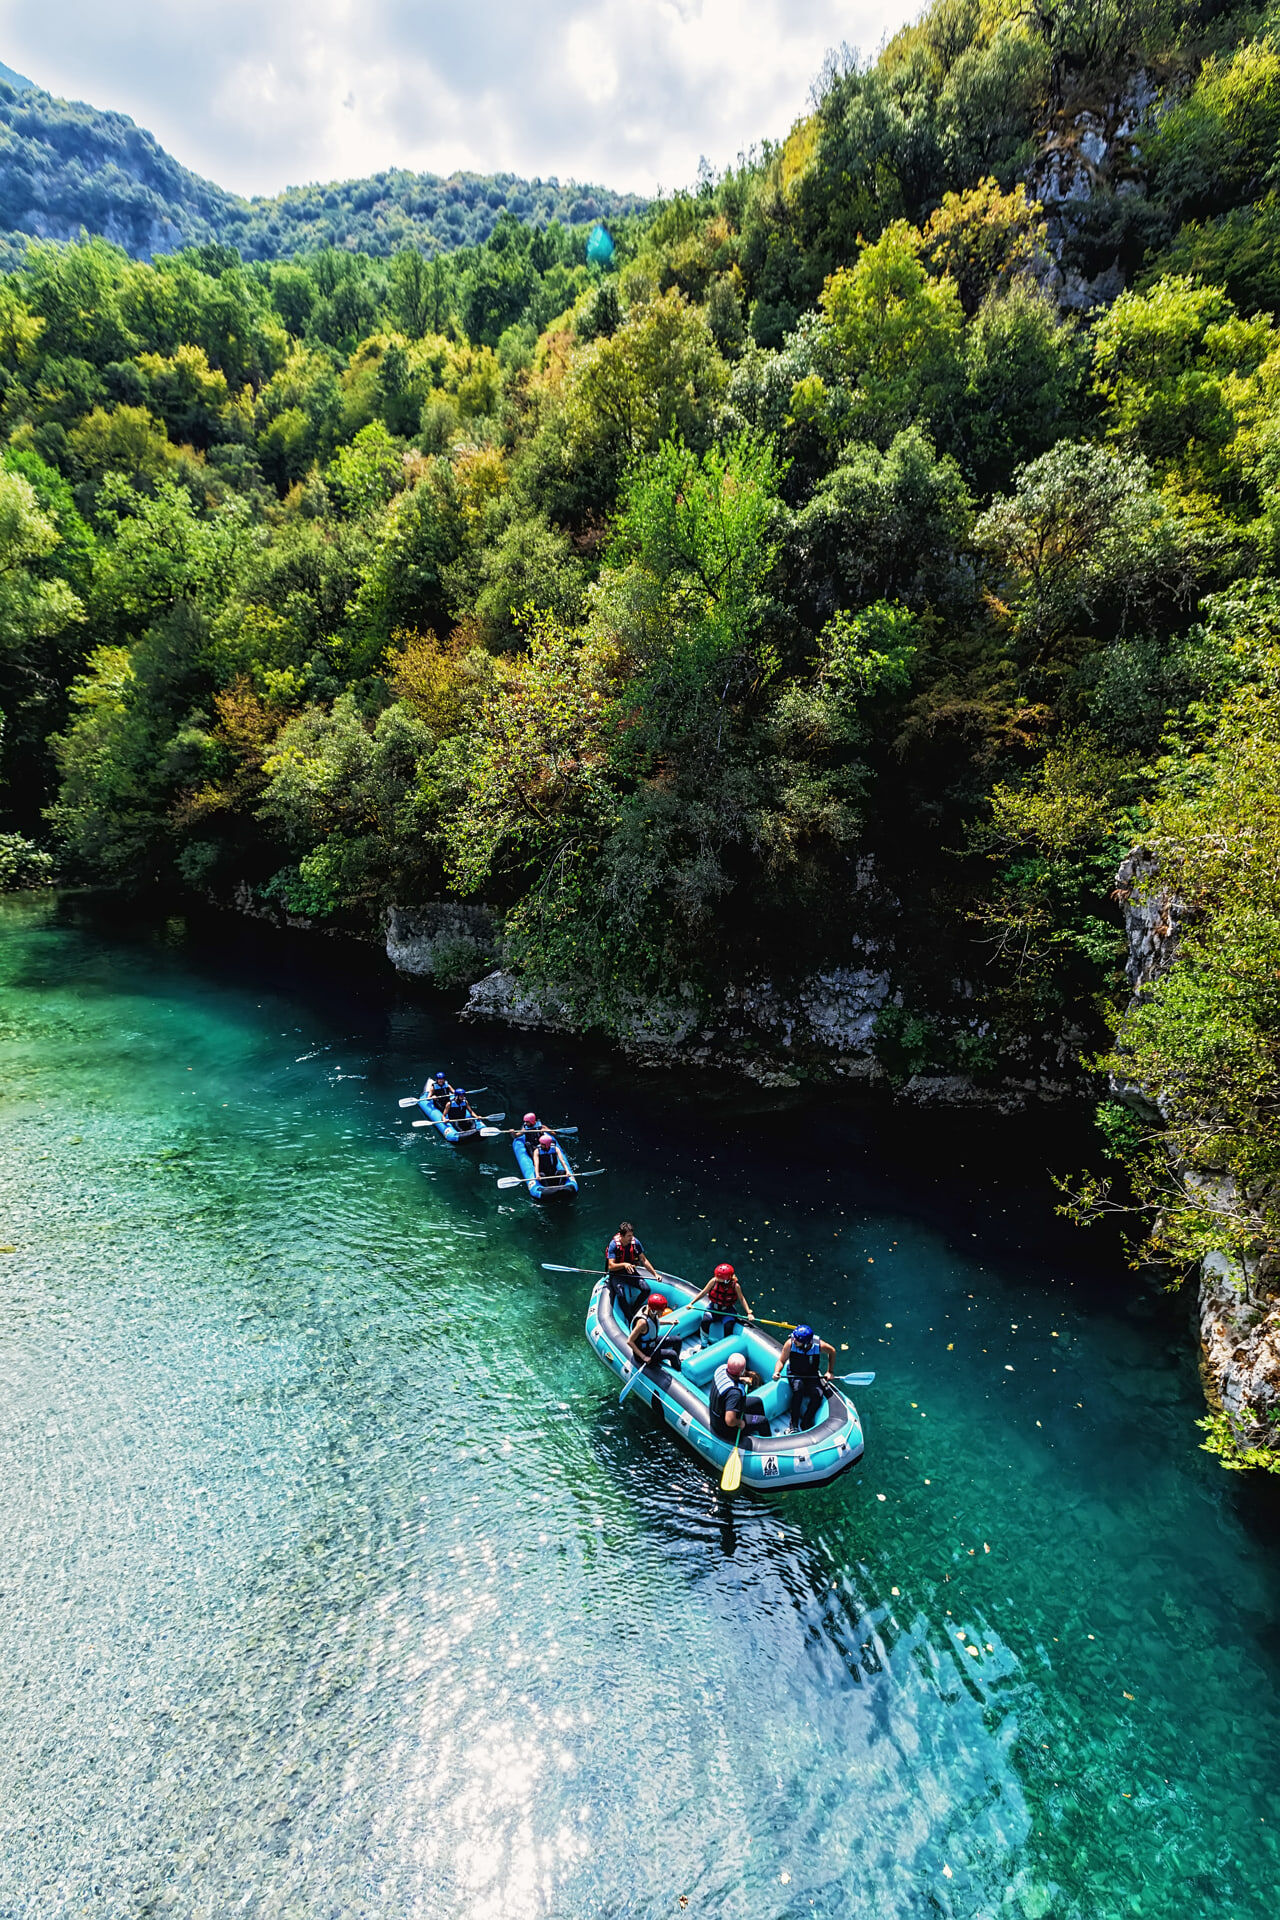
{"type": "Point", "coordinates": [1239, 1305]}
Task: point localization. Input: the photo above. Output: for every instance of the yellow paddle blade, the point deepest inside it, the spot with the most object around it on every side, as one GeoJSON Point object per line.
{"type": "Point", "coordinates": [731, 1478]}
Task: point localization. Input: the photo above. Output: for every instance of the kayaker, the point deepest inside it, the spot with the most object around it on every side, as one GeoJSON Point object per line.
{"type": "Point", "coordinates": [802, 1357]}
{"type": "Point", "coordinates": [531, 1133]}
{"type": "Point", "coordinates": [437, 1089]}
{"type": "Point", "coordinates": [731, 1407]}
{"type": "Point", "coordinates": [548, 1168]}
{"type": "Point", "coordinates": [647, 1340]}
{"type": "Point", "coordinates": [458, 1111]}
{"type": "Point", "coordinates": [627, 1262]}
{"type": "Point", "coordinates": [724, 1296]}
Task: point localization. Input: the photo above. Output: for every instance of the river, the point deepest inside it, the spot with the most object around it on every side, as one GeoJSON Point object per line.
{"type": "Point", "coordinates": [337, 1584]}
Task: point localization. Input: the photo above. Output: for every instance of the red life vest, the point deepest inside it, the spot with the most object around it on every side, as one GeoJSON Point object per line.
{"type": "Point", "coordinates": [723, 1295]}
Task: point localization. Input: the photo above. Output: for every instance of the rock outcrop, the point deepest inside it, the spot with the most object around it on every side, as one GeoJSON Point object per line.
{"type": "Point", "coordinates": [441, 940]}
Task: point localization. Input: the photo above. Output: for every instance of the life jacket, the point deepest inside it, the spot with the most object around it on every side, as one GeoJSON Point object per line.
{"type": "Point", "coordinates": [531, 1137]}
{"type": "Point", "coordinates": [650, 1333]}
{"type": "Point", "coordinates": [804, 1363]}
{"type": "Point", "coordinates": [726, 1395]}
{"type": "Point", "coordinates": [546, 1163]}
{"type": "Point", "coordinates": [630, 1255]}
{"type": "Point", "coordinates": [723, 1295]}
{"type": "Point", "coordinates": [456, 1110]}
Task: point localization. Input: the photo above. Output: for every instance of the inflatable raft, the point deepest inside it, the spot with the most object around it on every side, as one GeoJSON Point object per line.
{"type": "Point", "coordinates": [524, 1160]}
{"type": "Point", "coordinates": [778, 1464]}
{"type": "Point", "coordinates": [451, 1133]}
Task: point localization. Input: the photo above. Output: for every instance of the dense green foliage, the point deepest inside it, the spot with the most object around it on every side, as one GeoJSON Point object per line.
{"type": "Point", "coordinates": [67, 168]}
{"type": "Point", "coordinates": [804, 575]}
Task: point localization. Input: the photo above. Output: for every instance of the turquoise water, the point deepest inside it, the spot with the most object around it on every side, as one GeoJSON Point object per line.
{"type": "Point", "coordinates": [336, 1583]}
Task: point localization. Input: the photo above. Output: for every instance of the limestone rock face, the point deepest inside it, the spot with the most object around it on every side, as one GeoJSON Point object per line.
{"type": "Point", "coordinates": [440, 940]}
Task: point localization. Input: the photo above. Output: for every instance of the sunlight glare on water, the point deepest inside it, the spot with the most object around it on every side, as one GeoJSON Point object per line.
{"type": "Point", "coordinates": [337, 1583]}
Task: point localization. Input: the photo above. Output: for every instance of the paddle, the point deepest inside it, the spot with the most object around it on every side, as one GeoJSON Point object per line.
{"type": "Point", "coordinates": [549, 1266]}
{"type": "Point", "coordinates": [852, 1379]}
{"type": "Point", "coordinates": [731, 1478]}
{"type": "Point", "coordinates": [514, 1180]}
{"type": "Point", "coordinates": [486, 1133]}
{"type": "Point", "coordinates": [414, 1099]}
{"type": "Point", "coordinates": [553, 1130]}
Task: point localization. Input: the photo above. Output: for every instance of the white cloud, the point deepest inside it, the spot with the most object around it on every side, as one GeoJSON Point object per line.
{"type": "Point", "coordinates": [627, 93]}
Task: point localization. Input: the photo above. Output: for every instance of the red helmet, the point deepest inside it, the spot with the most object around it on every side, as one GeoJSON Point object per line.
{"type": "Point", "coordinates": [735, 1363]}
{"type": "Point", "coordinates": [657, 1300]}
{"type": "Point", "coordinates": [531, 1120]}
{"type": "Point", "coordinates": [725, 1272]}
{"type": "Point", "coordinates": [546, 1141]}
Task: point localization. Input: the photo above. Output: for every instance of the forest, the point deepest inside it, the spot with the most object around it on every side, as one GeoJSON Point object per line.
{"type": "Point", "coordinates": [813, 562]}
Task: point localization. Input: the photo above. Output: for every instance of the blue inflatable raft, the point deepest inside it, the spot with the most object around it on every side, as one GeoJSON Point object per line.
{"type": "Point", "coordinates": [524, 1160]}
{"type": "Point", "coordinates": [451, 1133]}
{"type": "Point", "coordinates": [779, 1464]}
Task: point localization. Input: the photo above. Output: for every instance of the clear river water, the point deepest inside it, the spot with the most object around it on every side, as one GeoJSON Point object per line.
{"type": "Point", "coordinates": [338, 1586]}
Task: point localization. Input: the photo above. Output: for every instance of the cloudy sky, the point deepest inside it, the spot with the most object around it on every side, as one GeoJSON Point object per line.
{"type": "Point", "coordinates": [263, 94]}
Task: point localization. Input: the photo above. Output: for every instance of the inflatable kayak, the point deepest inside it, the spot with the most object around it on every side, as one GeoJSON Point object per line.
{"type": "Point", "coordinates": [447, 1128]}
{"type": "Point", "coordinates": [524, 1160]}
{"type": "Point", "coordinates": [777, 1464]}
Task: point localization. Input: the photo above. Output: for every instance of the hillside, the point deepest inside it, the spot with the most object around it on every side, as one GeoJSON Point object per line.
{"type": "Point", "coordinates": [67, 167]}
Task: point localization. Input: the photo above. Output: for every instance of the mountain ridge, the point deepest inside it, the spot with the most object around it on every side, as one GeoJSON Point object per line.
{"type": "Point", "coordinates": [67, 167]}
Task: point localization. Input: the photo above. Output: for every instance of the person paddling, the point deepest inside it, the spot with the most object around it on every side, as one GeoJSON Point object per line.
{"type": "Point", "coordinates": [627, 1263]}
{"type": "Point", "coordinates": [802, 1358]}
{"type": "Point", "coordinates": [731, 1408]}
{"type": "Point", "coordinates": [530, 1133]}
{"type": "Point", "coordinates": [437, 1089]}
{"type": "Point", "coordinates": [548, 1167]}
{"type": "Point", "coordinates": [724, 1297]}
{"type": "Point", "coordinates": [458, 1111]}
{"type": "Point", "coordinates": [647, 1340]}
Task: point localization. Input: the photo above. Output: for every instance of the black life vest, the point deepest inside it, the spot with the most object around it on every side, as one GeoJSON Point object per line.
{"type": "Point", "coordinates": [725, 1396]}
{"type": "Point", "coordinates": [546, 1163]}
{"type": "Point", "coordinates": [723, 1295]}
{"type": "Point", "coordinates": [650, 1333]}
{"type": "Point", "coordinates": [804, 1363]}
{"type": "Point", "coordinates": [456, 1110]}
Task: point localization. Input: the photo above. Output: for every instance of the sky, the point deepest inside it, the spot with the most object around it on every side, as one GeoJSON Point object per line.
{"type": "Point", "coordinates": [263, 94]}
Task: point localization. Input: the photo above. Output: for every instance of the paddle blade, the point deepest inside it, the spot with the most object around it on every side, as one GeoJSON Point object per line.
{"type": "Point", "coordinates": [731, 1478]}
{"type": "Point", "coordinates": [549, 1266]}
{"type": "Point", "coordinates": [511, 1180]}
{"type": "Point", "coordinates": [855, 1379]}
{"type": "Point", "coordinates": [424, 1123]}
{"type": "Point", "coordinates": [412, 1101]}
{"type": "Point", "coordinates": [490, 1133]}
{"type": "Point", "coordinates": [631, 1383]}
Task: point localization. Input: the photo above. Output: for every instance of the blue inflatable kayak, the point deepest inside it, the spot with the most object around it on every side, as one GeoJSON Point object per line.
{"type": "Point", "coordinates": [524, 1160]}
{"type": "Point", "coordinates": [447, 1128]}
{"type": "Point", "coordinates": [778, 1464]}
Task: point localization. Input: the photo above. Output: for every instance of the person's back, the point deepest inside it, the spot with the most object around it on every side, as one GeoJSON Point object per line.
{"type": "Point", "coordinates": [546, 1162]}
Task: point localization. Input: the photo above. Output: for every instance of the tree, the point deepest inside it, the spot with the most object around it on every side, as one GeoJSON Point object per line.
{"type": "Point", "coordinates": [1083, 526]}
{"type": "Point", "coordinates": [899, 331]}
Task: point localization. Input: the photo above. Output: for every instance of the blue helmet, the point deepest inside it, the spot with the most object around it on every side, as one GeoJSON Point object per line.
{"type": "Point", "coordinates": [459, 1093]}
{"type": "Point", "coordinates": [802, 1336]}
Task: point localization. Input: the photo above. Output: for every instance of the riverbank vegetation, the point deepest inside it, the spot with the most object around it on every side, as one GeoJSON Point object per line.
{"type": "Point", "coordinates": [873, 545]}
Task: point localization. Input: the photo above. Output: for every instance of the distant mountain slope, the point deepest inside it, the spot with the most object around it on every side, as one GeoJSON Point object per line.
{"type": "Point", "coordinates": [18, 81]}
{"type": "Point", "coordinates": [65, 166]}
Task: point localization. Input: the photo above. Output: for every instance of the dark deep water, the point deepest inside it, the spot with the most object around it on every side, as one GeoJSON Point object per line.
{"type": "Point", "coordinates": [336, 1583]}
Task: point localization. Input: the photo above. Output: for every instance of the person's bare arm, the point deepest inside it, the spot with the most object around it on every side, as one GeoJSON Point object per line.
{"type": "Point", "coordinates": [782, 1359]}
{"type": "Point", "coordinates": [830, 1352]}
